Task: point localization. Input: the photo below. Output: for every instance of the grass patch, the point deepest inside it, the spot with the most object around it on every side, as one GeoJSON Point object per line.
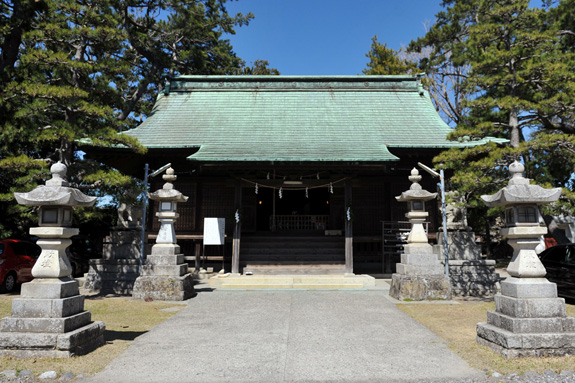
{"type": "Point", "coordinates": [456, 324]}
{"type": "Point", "coordinates": [125, 319]}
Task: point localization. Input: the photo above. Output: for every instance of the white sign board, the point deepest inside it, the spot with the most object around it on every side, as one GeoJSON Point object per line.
{"type": "Point", "coordinates": [214, 230]}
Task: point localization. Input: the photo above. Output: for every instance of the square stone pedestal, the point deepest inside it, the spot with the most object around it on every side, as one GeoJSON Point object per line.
{"type": "Point", "coordinates": [420, 276]}
{"type": "Point", "coordinates": [164, 277]}
{"type": "Point", "coordinates": [117, 271]}
{"type": "Point", "coordinates": [470, 274]}
{"type": "Point", "coordinates": [49, 321]}
{"type": "Point", "coordinates": [530, 320]}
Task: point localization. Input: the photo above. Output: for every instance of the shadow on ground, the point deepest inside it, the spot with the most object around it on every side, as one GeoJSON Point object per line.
{"type": "Point", "coordinates": [111, 335]}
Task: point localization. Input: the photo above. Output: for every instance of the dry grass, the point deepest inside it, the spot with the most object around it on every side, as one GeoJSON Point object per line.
{"type": "Point", "coordinates": [456, 324]}
{"type": "Point", "coordinates": [125, 320]}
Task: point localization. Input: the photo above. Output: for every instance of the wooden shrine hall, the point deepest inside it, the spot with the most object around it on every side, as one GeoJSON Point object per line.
{"type": "Point", "coordinates": [304, 169]}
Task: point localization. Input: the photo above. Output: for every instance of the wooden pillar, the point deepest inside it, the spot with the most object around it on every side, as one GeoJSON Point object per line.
{"type": "Point", "coordinates": [237, 231]}
{"type": "Point", "coordinates": [348, 231]}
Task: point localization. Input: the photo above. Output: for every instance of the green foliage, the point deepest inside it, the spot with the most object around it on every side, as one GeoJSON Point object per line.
{"type": "Point", "coordinates": [259, 68]}
{"type": "Point", "coordinates": [518, 63]}
{"type": "Point", "coordinates": [386, 61]}
{"type": "Point", "coordinates": [81, 71]}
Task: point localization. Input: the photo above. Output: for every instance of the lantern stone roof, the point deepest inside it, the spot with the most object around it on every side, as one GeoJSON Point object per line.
{"type": "Point", "coordinates": [167, 192]}
{"type": "Point", "coordinates": [295, 118]}
{"type": "Point", "coordinates": [55, 192]}
{"type": "Point", "coordinates": [415, 192]}
{"type": "Point", "coordinates": [520, 191]}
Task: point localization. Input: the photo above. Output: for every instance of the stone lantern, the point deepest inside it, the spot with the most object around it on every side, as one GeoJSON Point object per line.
{"type": "Point", "coordinates": [49, 319]}
{"type": "Point", "coordinates": [530, 319]}
{"type": "Point", "coordinates": [420, 275]}
{"type": "Point", "coordinates": [165, 275]}
{"type": "Point", "coordinates": [523, 223]}
{"type": "Point", "coordinates": [416, 197]}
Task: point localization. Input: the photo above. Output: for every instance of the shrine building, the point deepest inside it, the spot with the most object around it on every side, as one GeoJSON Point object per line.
{"type": "Point", "coordinates": [304, 169]}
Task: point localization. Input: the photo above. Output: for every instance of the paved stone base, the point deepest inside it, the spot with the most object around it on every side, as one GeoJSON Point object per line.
{"type": "Point", "coordinates": [164, 288]}
{"type": "Point", "coordinates": [529, 321]}
{"type": "Point", "coordinates": [52, 345]}
{"type": "Point", "coordinates": [49, 320]}
{"type": "Point", "coordinates": [420, 287]}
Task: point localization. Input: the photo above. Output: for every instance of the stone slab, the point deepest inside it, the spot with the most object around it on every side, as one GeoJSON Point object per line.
{"type": "Point", "coordinates": [50, 288]}
{"type": "Point", "coordinates": [531, 325]}
{"type": "Point", "coordinates": [418, 249]}
{"type": "Point", "coordinates": [289, 282]}
{"type": "Point", "coordinates": [528, 288]}
{"type": "Point", "coordinates": [523, 353]}
{"type": "Point", "coordinates": [406, 269]}
{"type": "Point", "coordinates": [27, 340]}
{"type": "Point", "coordinates": [531, 307]}
{"type": "Point", "coordinates": [54, 232]}
{"type": "Point", "coordinates": [45, 325]}
{"type": "Point", "coordinates": [166, 270]}
{"type": "Point", "coordinates": [509, 340]}
{"type": "Point", "coordinates": [34, 345]}
{"type": "Point", "coordinates": [164, 288]}
{"type": "Point", "coordinates": [165, 249]}
{"type": "Point", "coordinates": [171, 259]}
{"type": "Point", "coordinates": [420, 287]}
{"type": "Point", "coordinates": [47, 308]}
{"type": "Point", "coordinates": [77, 339]}
{"type": "Point", "coordinates": [419, 259]}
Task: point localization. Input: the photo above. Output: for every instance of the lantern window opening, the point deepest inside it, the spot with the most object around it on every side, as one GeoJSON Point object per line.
{"type": "Point", "coordinates": [49, 215]}
{"type": "Point", "coordinates": [417, 206]}
{"type": "Point", "coordinates": [522, 216]}
{"type": "Point", "coordinates": [166, 206]}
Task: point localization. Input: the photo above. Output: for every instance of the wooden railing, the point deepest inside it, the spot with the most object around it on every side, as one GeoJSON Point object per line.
{"type": "Point", "coordinates": [298, 222]}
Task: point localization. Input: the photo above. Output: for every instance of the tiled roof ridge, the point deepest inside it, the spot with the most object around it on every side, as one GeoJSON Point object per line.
{"type": "Point", "coordinates": [190, 83]}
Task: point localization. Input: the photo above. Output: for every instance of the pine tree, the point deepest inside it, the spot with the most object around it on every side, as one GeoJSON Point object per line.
{"type": "Point", "coordinates": [386, 61]}
{"type": "Point", "coordinates": [518, 86]}
{"type": "Point", "coordinates": [77, 71]}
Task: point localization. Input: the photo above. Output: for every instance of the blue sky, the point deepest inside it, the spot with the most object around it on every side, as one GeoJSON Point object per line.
{"type": "Point", "coordinates": [326, 37]}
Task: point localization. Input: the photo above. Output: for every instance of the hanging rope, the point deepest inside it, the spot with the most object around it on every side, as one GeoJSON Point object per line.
{"type": "Point", "coordinates": [328, 185]}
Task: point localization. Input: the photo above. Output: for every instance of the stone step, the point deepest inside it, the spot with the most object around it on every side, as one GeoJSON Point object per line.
{"type": "Point", "coordinates": [303, 282]}
{"type": "Point", "coordinates": [293, 268]}
{"type": "Point", "coordinates": [276, 258]}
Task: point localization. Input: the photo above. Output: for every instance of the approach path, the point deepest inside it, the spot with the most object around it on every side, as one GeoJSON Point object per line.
{"type": "Point", "coordinates": [288, 336]}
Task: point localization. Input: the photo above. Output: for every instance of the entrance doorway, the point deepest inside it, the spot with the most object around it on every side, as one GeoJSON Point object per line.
{"type": "Point", "coordinates": [295, 211]}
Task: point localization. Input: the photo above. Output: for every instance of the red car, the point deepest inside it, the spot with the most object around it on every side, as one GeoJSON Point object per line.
{"type": "Point", "coordinates": [16, 261]}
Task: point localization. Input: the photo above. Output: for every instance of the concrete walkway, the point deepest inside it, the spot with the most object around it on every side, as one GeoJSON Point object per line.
{"type": "Point", "coordinates": [288, 336]}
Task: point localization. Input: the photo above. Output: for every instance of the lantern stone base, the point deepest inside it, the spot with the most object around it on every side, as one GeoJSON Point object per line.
{"type": "Point", "coordinates": [164, 277]}
{"type": "Point", "coordinates": [420, 287]}
{"type": "Point", "coordinates": [420, 276]}
{"type": "Point", "coordinates": [49, 321]}
{"type": "Point", "coordinates": [530, 320]}
{"type": "Point", "coordinates": [164, 287]}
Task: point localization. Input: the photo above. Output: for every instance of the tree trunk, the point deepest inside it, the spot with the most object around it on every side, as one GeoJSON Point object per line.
{"type": "Point", "coordinates": [515, 134]}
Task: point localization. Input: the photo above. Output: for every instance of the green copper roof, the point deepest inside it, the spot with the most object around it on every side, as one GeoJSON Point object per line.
{"type": "Point", "coordinates": [294, 118]}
